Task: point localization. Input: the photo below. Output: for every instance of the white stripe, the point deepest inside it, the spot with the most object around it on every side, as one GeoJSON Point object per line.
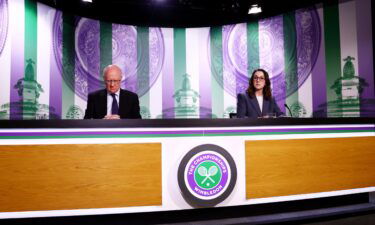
{"type": "Point", "coordinates": [305, 90]}
{"type": "Point", "coordinates": [193, 55]}
{"type": "Point", "coordinates": [5, 73]}
{"type": "Point", "coordinates": [33, 141]}
{"type": "Point", "coordinates": [348, 32]}
{"type": "Point", "coordinates": [5, 59]}
{"type": "Point", "coordinates": [310, 196]}
{"type": "Point", "coordinates": [205, 69]}
{"type": "Point", "coordinates": [156, 98]}
{"type": "Point", "coordinates": [348, 45]}
{"type": "Point", "coordinates": [229, 78]}
{"type": "Point", "coordinates": [155, 93]}
{"type": "Point", "coordinates": [78, 102]}
{"type": "Point", "coordinates": [230, 104]}
{"type": "Point", "coordinates": [305, 97]}
{"type": "Point", "coordinates": [81, 104]}
{"type": "Point", "coordinates": [320, 10]}
{"type": "Point", "coordinates": [114, 129]}
{"type": "Point", "coordinates": [44, 43]}
{"type": "Point", "coordinates": [17, 34]}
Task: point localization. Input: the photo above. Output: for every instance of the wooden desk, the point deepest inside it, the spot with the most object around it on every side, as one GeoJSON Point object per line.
{"type": "Point", "coordinates": [52, 168]}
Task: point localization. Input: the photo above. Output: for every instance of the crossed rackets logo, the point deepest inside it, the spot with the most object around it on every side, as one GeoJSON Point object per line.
{"type": "Point", "coordinates": [207, 175]}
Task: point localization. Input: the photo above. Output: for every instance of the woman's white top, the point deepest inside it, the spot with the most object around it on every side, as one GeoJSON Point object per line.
{"type": "Point", "coordinates": [260, 101]}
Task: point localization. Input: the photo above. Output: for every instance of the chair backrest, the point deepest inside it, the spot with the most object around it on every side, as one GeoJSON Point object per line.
{"type": "Point", "coordinates": [232, 115]}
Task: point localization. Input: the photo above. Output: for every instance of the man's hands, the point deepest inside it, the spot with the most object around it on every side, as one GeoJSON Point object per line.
{"type": "Point", "coordinates": [112, 117]}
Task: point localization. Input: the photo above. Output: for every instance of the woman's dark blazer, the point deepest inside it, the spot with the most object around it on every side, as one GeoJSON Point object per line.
{"type": "Point", "coordinates": [248, 107]}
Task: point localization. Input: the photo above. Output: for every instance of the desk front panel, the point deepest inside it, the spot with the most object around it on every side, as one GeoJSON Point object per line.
{"type": "Point", "coordinates": [79, 176]}
{"type": "Point", "coordinates": [301, 166]}
{"type": "Point", "coordinates": [86, 171]}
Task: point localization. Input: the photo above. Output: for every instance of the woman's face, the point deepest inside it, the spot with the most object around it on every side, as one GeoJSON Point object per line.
{"type": "Point", "coordinates": [259, 80]}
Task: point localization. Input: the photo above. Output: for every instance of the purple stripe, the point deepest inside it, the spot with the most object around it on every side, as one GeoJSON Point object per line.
{"type": "Point", "coordinates": [237, 80]}
{"type": "Point", "coordinates": [174, 132]}
{"type": "Point", "coordinates": [55, 93]}
{"type": "Point", "coordinates": [90, 60]}
{"type": "Point", "coordinates": [17, 70]}
{"type": "Point", "coordinates": [271, 58]}
{"type": "Point", "coordinates": [168, 74]}
{"type": "Point", "coordinates": [99, 133]}
{"type": "Point", "coordinates": [291, 130]}
{"type": "Point", "coordinates": [365, 54]}
{"type": "Point", "coordinates": [318, 78]}
{"type": "Point", "coordinates": [205, 74]}
{"type": "Point", "coordinates": [124, 54]}
{"type": "Point", "coordinates": [278, 23]}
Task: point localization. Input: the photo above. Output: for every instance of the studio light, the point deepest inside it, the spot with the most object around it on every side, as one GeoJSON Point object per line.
{"type": "Point", "coordinates": [254, 9]}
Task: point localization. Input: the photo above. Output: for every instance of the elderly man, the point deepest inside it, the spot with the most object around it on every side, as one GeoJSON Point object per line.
{"type": "Point", "coordinates": [112, 102]}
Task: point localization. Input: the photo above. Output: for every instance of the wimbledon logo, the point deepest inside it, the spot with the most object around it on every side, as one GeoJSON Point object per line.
{"type": "Point", "coordinates": [206, 175]}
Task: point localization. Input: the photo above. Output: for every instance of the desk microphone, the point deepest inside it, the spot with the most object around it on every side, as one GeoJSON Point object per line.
{"type": "Point", "coordinates": [290, 112]}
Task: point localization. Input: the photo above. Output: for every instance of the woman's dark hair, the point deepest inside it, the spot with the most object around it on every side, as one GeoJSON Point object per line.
{"type": "Point", "coordinates": [267, 92]}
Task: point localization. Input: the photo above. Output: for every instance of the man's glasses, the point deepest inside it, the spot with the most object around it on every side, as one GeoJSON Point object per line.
{"type": "Point", "coordinates": [259, 78]}
{"type": "Point", "coordinates": [112, 81]}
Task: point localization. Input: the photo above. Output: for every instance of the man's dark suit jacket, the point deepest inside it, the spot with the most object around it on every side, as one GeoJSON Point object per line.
{"type": "Point", "coordinates": [248, 107]}
{"type": "Point", "coordinates": [97, 105]}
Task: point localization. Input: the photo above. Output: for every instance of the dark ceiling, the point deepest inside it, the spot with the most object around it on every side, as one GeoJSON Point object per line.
{"type": "Point", "coordinates": [177, 13]}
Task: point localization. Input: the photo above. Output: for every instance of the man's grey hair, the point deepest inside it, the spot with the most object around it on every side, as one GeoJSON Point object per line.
{"type": "Point", "coordinates": [109, 67]}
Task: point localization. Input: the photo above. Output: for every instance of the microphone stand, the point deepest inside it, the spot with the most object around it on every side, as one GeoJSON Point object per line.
{"type": "Point", "coordinates": [290, 112]}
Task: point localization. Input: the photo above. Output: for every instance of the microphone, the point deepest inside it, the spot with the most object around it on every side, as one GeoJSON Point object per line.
{"type": "Point", "coordinates": [290, 112]}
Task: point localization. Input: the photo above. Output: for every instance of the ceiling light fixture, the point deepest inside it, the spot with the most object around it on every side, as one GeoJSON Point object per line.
{"type": "Point", "coordinates": [90, 1]}
{"type": "Point", "coordinates": [254, 9]}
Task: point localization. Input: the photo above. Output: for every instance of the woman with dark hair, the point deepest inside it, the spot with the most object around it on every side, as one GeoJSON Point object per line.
{"type": "Point", "coordinates": [257, 101]}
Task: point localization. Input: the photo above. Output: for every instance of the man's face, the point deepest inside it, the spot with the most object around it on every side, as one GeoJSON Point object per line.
{"type": "Point", "coordinates": [112, 79]}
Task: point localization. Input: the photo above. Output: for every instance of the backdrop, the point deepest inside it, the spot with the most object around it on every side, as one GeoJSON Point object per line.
{"type": "Point", "coordinates": [320, 60]}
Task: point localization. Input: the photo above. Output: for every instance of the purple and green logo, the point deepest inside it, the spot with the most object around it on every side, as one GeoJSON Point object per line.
{"type": "Point", "coordinates": [207, 175]}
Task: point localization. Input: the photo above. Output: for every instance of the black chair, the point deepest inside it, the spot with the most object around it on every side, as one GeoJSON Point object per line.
{"type": "Point", "coordinates": [232, 115]}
